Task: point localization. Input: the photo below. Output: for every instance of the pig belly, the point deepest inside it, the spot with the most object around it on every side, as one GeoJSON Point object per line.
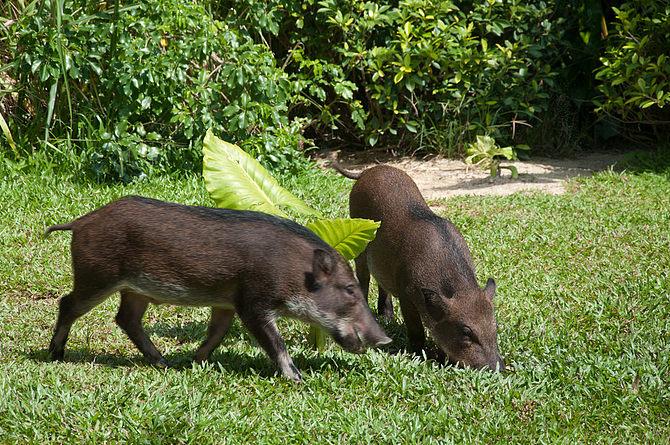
{"type": "Point", "coordinates": [178, 294]}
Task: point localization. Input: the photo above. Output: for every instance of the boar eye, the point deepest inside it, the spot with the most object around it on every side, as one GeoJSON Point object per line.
{"type": "Point", "coordinates": [468, 334]}
{"type": "Point", "coordinates": [351, 289]}
{"type": "Point", "coordinates": [428, 294]}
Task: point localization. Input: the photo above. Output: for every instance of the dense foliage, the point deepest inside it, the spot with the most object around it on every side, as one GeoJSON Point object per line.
{"type": "Point", "coordinates": [138, 86]}
{"type": "Point", "coordinates": [635, 69]}
{"type": "Point", "coordinates": [123, 87]}
{"type": "Point", "coordinates": [421, 74]}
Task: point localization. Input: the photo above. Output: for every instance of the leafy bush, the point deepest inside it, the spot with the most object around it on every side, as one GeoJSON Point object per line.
{"type": "Point", "coordinates": [421, 74]}
{"type": "Point", "coordinates": [134, 87]}
{"type": "Point", "coordinates": [129, 87]}
{"type": "Point", "coordinates": [485, 153]}
{"type": "Point", "coordinates": [635, 71]}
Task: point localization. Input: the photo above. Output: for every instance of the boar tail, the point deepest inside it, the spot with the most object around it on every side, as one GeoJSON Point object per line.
{"type": "Point", "coordinates": [343, 172]}
{"type": "Point", "coordinates": [67, 226]}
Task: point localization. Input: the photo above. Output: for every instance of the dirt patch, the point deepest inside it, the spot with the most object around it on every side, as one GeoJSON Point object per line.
{"type": "Point", "coordinates": [438, 177]}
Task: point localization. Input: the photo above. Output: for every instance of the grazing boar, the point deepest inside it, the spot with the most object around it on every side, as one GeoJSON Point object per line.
{"type": "Point", "coordinates": [247, 263]}
{"type": "Point", "coordinates": [423, 260]}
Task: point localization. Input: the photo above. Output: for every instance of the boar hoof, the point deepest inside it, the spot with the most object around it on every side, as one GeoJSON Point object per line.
{"type": "Point", "coordinates": [293, 374]}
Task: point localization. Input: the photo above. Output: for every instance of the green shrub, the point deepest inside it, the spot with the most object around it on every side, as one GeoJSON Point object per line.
{"type": "Point", "coordinates": [635, 71]}
{"type": "Point", "coordinates": [135, 87]}
{"type": "Point", "coordinates": [127, 87]}
{"type": "Point", "coordinates": [419, 74]}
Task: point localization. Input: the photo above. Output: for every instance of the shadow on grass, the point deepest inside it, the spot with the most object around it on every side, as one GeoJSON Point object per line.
{"type": "Point", "coordinates": [228, 361]}
{"type": "Point", "coordinates": [184, 332]}
{"type": "Point", "coordinates": [654, 161]}
{"type": "Point", "coordinates": [188, 331]}
{"type": "Point", "coordinates": [398, 333]}
{"type": "Point", "coordinates": [253, 363]}
{"type": "Point", "coordinates": [234, 362]}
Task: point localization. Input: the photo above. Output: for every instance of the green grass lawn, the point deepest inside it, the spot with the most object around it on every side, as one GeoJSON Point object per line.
{"type": "Point", "coordinates": [583, 307]}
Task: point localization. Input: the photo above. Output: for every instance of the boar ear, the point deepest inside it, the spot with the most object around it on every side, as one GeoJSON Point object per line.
{"type": "Point", "coordinates": [490, 289]}
{"type": "Point", "coordinates": [323, 265]}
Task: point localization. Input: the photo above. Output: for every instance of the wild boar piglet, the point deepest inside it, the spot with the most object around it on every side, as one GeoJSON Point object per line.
{"type": "Point", "coordinates": [247, 263]}
{"type": "Point", "coordinates": [423, 260]}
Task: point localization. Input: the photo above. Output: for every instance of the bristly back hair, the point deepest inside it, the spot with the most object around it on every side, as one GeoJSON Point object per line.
{"type": "Point", "coordinates": [446, 230]}
{"type": "Point", "coordinates": [241, 215]}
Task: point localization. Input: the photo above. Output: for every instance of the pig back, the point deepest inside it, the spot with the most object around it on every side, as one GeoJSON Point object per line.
{"type": "Point", "coordinates": [411, 240]}
{"type": "Point", "coordinates": [197, 246]}
{"type": "Point", "coordinates": [383, 192]}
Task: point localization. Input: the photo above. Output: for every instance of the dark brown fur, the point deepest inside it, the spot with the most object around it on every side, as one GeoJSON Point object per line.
{"type": "Point", "coordinates": [423, 260]}
{"type": "Point", "coordinates": [237, 262]}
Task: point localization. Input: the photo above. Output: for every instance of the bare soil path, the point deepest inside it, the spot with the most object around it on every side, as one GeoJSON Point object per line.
{"type": "Point", "coordinates": [438, 177]}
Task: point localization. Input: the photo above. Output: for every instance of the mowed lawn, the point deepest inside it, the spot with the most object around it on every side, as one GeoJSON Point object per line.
{"type": "Point", "coordinates": [583, 308]}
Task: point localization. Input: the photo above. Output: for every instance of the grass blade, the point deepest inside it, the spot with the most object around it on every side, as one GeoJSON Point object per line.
{"type": "Point", "coordinates": [50, 108]}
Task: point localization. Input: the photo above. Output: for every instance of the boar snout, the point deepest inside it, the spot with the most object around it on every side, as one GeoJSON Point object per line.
{"type": "Point", "coordinates": [488, 362]}
{"type": "Point", "coordinates": [361, 338]}
{"type": "Point", "coordinates": [497, 365]}
{"type": "Point", "coordinates": [337, 304]}
{"type": "Point", "coordinates": [351, 342]}
{"type": "Point", "coordinates": [368, 331]}
{"type": "Point", "coordinates": [374, 335]}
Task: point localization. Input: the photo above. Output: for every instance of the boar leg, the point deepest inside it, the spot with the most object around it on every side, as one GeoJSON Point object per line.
{"type": "Point", "coordinates": [362, 272]}
{"type": "Point", "coordinates": [384, 304]}
{"type": "Point", "coordinates": [264, 329]}
{"type": "Point", "coordinates": [129, 318]}
{"type": "Point", "coordinates": [416, 336]}
{"type": "Point", "coordinates": [219, 324]}
{"type": "Point", "coordinates": [72, 306]}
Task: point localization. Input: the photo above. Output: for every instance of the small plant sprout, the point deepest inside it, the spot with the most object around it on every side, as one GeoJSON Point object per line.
{"type": "Point", "coordinates": [485, 153]}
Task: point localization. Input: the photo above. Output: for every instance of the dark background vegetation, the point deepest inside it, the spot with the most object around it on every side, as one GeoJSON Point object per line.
{"type": "Point", "coordinates": [119, 89]}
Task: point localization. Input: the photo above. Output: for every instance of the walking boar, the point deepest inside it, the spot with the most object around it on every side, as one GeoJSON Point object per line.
{"type": "Point", "coordinates": [423, 260]}
{"type": "Point", "coordinates": [236, 262]}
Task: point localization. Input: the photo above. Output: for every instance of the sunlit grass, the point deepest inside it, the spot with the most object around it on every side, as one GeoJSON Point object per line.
{"type": "Point", "coordinates": [583, 307]}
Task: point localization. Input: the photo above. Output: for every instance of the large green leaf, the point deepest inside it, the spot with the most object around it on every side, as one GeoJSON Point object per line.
{"type": "Point", "coordinates": [347, 236]}
{"type": "Point", "coordinates": [235, 180]}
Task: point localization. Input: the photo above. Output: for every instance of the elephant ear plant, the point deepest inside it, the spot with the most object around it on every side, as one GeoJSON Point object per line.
{"type": "Point", "coordinates": [235, 180]}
